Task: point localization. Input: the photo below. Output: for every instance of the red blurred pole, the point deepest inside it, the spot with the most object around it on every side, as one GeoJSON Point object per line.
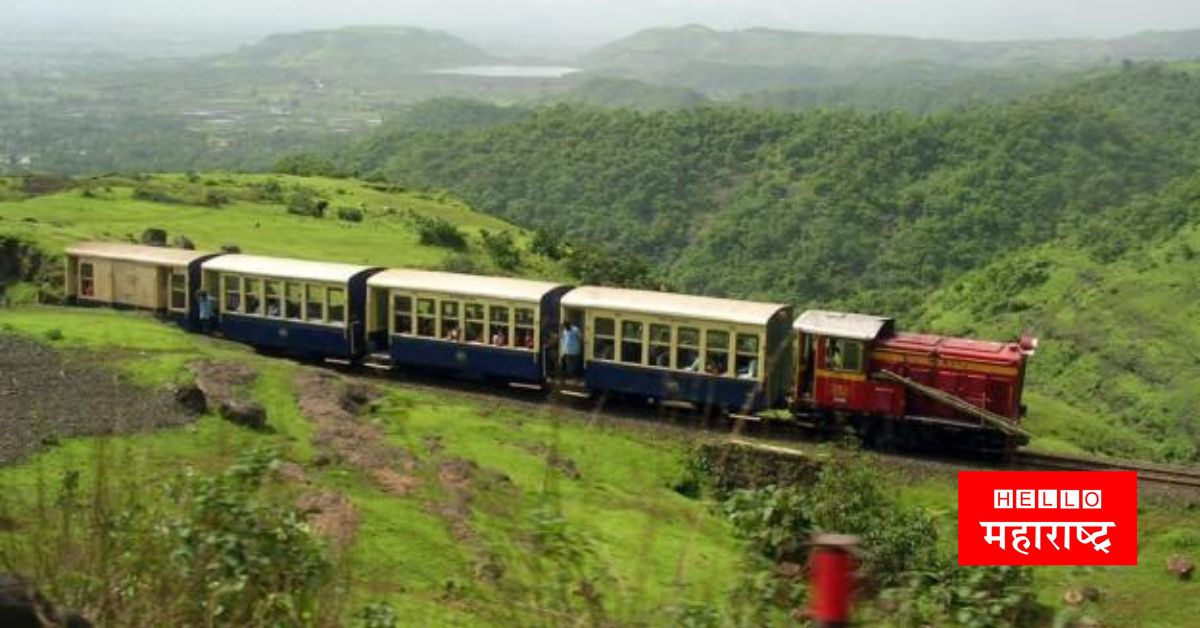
{"type": "Point", "coordinates": [831, 567]}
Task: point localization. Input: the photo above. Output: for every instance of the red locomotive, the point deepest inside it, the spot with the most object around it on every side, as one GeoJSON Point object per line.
{"type": "Point", "coordinates": [858, 367]}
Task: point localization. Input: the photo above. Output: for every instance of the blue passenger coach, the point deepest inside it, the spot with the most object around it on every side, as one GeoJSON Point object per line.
{"type": "Point", "coordinates": [473, 326]}
{"type": "Point", "coordinates": [720, 353]}
{"type": "Point", "coordinates": [312, 309]}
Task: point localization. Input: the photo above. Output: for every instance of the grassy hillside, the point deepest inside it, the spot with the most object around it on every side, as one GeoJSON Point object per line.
{"type": "Point", "coordinates": [460, 545]}
{"type": "Point", "coordinates": [251, 212]}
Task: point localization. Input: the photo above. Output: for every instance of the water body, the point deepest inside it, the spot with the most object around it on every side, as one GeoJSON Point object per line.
{"type": "Point", "coordinates": [510, 71]}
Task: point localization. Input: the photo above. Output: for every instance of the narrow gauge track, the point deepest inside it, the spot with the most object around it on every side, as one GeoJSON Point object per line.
{"type": "Point", "coordinates": [679, 421]}
{"type": "Point", "coordinates": [1147, 471]}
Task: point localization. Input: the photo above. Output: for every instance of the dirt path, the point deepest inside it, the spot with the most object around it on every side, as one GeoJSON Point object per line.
{"type": "Point", "coordinates": [44, 398]}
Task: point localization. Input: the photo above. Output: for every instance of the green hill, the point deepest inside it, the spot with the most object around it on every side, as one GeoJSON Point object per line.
{"type": "Point", "coordinates": [357, 50]}
{"type": "Point", "coordinates": [659, 49]}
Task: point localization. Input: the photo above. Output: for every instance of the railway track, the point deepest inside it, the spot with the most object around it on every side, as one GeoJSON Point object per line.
{"type": "Point", "coordinates": [1147, 471]}
{"type": "Point", "coordinates": [780, 432]}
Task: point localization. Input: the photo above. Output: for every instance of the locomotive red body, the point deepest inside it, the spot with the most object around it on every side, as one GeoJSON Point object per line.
{"type": "Point", "coordinates": [858, 366]}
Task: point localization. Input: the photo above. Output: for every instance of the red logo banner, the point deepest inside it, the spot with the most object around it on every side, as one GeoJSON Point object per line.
{"type": "Point", "coordinates": [1047, 518]}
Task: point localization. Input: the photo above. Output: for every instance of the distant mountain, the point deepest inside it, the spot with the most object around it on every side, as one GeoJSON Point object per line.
{"type": "Point", "coordinates": [756, 58]}
{"type": "Point", "coordinates": [355, 49]}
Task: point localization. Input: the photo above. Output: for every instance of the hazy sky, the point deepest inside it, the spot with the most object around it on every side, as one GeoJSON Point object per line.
{"type": "Point", "coordinates": [592, 19]}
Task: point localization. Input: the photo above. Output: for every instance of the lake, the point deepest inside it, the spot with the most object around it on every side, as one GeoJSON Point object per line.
{"type": "Point", "coordinates": [510, 71]}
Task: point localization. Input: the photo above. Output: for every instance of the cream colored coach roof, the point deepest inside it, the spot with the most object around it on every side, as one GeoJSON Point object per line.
{"type": "Point", "coordinates": [465, 285]}
{"type": "Point", "coordinates": [671, 304]}
{"type": "Point", "coordinates": [157, 255]}
{"type": "Point", "coordinates": [841, 324]}
{"type": "Point", "coordinates": [284, 268]}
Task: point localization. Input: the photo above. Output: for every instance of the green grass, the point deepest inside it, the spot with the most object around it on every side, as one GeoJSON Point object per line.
{"type": "Point", "coordinates": [385, 237]}
{"type": "Point", "coordinates": [653, 545]}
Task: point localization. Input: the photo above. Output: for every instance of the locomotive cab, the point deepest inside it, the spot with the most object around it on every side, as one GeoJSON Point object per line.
{"type": "Point", "coordinates": [834, 351]}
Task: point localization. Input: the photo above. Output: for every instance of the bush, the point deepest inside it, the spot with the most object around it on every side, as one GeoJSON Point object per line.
{"type": "Point", "coordinates": [155, 195]}
{"type": "Point", "coordinates": [216, 198]}
{"type": "Point", "coordinates": [304, 202]}
{"type": "Point", "coordinates": [183, 242]}
{"type": "Point", "coordinates": [459, 263]}
{"type": "Point", "coordinates": [434, 231]}
{"type": "Point", "coordinates": [502, 249]}
{"type": "Point", "coordinates": [350, 214]}
{"type": "Point", "coordinates": [194, 549]}
{"type": "Point", "coordinates": [154, 236]}
{"type": "Point", "coordinates": [231, 248]}
{"type": "Point", "coordinates": [546, 245]}
{"type": "Point", "coordinates": [54, 334]}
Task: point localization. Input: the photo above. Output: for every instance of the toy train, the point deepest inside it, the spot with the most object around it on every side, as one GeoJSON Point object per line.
{"type": "Point", "coordinates": [739, 357]}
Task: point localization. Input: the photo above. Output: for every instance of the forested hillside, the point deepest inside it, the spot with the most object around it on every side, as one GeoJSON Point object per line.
{"type": "Point", "coordinates": [732, 61]}
{"type": "Point", "coordinates": [875, 211]}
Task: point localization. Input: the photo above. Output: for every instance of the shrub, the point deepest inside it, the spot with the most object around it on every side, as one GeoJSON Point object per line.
{"type": "Point", "coordinates": [435, 231]}
{"type": "Point", "coordinates": [231, 248]}
{"type": "Point", "coordinates": [304, 202]}
{"type": "Point", "coordinates": [226, 548]}
{"type": "Point", "coordinates": [183, 242]}
{"type": "Point", "coordinates": [154, 236]}
{"type": "Point", "coordinates": [350, 214]}
{"type": "Point", "coordinates": [502, 249]}
{"type": "Point", "coordinates": [546, 245]}
{"type": "Point", "coordinates": [459, 263]}
{"type": "Point", "coordinates": [54, 334]}
{"type": "Point", "coordinates": [155, 195]}
{"type": "Point", "coordinates": [216, 198]}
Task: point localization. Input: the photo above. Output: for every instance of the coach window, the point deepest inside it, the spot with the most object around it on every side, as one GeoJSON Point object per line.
{"type": "Point", "coordinates": [473, 313]}
{"type": "Point", "coordinates": [450, 322]}
{"type": "Point", "coordinates": [87, 279]}
{"type": "Point", "coordinates": [716, 352]}
{"type": "Point", "coordinates": [660, 346]}
{"type": "Point", "coordinates": [401, 314]}
{"type": "Point", "coordinates": [524, 325]}
{"type": "Point", "coordinates": [747, 356]}
{"type": "Point", "coordinates": [426, 318]}
{"type": "Point", "coordinates": [687, 353]}
{"type": "Point", "coordinates": [178, 290]}
{"type": "Point", "coordinates": [314, 303]}
{"type": "Point", "coordinates": [498, 331]}
{"type": "Point", "coordinates": [631, 342]}
{"type": "Point", "coordinates": [843, 355]}
{"type": "Point", "coordinates": [233, 293]}
{"type": "Point", "coordinates": [253, 295]}
{"type": "Point", "coordinates": [337, 305]}
{"type": "Point", "coordinates": [293, 295]}
{"type": "Point", "coordinates": [604, 338]}
{"type": "Point", "coordinates": [273, 289]}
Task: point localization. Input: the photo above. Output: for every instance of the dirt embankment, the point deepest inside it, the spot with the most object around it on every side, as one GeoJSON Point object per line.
{"type": "Point", "coordinates": [44, 398]}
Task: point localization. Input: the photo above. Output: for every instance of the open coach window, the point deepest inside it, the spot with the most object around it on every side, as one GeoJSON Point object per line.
{"type": "Point", "coordinates": [402, 314]}
{"type": "Point", "coordinates": [604, 339]}
{"type": "Point", "coordinates": [178, 290]}
{"type": "Point", "coordinates": [252, 295]}
{"type": "Point", "coordinates": [337, 305]}
{"type": "Point", "coordinates": [87, 279]}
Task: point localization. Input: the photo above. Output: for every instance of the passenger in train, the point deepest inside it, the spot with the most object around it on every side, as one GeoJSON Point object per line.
{"type": "Point", "coordinates": [452, 334]}
{"type": "Point", "coordinates": [204, 306]}
{"type": "Point", "coordinates": [500, 339]}
{"type": "Point", "coordinates": [662, 357]}
{"type": "Point", "coordinates": [571, 349]}
{"type": "Point", "coordinates": [527, 340]}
